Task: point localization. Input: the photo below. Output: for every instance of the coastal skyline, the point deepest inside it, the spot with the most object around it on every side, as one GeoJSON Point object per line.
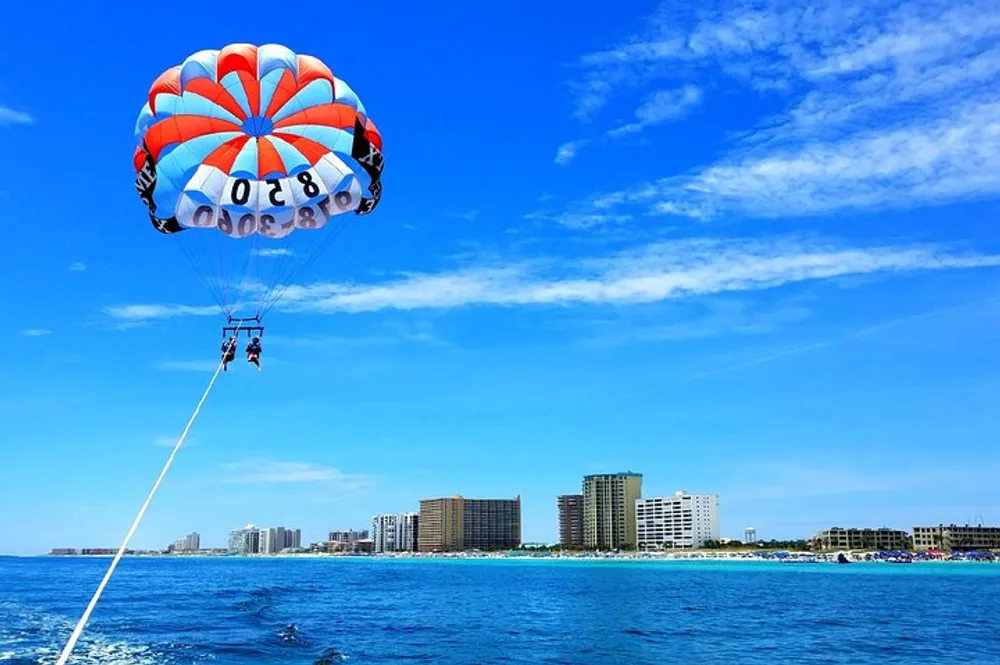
{"type": "Point", "coordinates": [747, 252]}
{"type": "Point", "coordinates": [595, 520]}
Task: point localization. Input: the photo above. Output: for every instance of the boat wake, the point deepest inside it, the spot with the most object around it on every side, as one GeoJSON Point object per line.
{"type": "Point", "coordinates": [32, 637]}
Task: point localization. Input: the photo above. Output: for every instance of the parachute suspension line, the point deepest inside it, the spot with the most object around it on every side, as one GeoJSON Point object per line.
{"type": "Point", "coordinates": [286, 264]}
{"type": "Point", "coordinates": [241, 287]}
{"type": "Point", "coordinates": [81, 624]}
{"type": "Point", "coordinates": [201, 259]}
{"type": "Point", "coordinates": [282, 262]}
{"type": "Point", "coordinates": [248, 280]}
{"type": "Point", "coordinates": [318, 241]}
{"type": "Point", "coordinates": [258, 277]}
{"type": "Point", "coordinates": [200, 272]}
{"type": "Point", "coordinates": [221, 252]}
{"type": "Point", "coordinates": [312, 257]}
{"type": "Point", "coordinates": [285, 279]}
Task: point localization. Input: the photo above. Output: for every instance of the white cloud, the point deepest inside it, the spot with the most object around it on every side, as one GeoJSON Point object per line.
{"type": "Point", "coordinates": [662, 106]}
{"type": "Point", "coordinates": [139, 313]}
{"type": "Point", "coordinates": [567, 151]}
{"type": "Point", "coordinates": [36, 332]}
{"type": "Point", "coordinates": [654, 273]}
{"type": "Point", "coordinates": [277, 251]}
{"type": "Point", "coordinates": [938, 160]}
{"type": "Point", "coordinates": [888, 104]}
{"type": "Point", "coordinates": [579, 220]}
{"type": "Point", "coordinates": [9, 116]}
{"type": "Point", "coordinates": [263, 471]}
{"type": "Point", "coordinates": [779, 45]}
{"type": "Point", "coordinates": [77, 267]}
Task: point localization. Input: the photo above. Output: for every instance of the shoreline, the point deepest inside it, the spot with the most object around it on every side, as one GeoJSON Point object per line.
{"type": "Point", "coordinates": [783, 557]}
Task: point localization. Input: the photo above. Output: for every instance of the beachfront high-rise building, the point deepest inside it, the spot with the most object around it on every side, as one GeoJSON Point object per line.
{"type": "Point", "coordinates": [750, 535]}
{"type": "Point", "coordinates": [276, 539]}
{"type": "Point", "coordinates": [681, 521]}
{"type": "Point", "coordinates": [351, 536]}
{"type": "Point", "coordinates": [457, 524]}
{"type": "Point", "coordinates": [609, 510]}
{"type": "Point", "coordinates": [441, 525]}
{"type": "Point", "coordinates": [395, 532]}
{"type": "Point", "coordinates": [570, 520]}
{"type": "Point", "coordinates": [189, 543]}
{"type": "Point", "coordinates": [248, 540]}
{"type": "Point", "coordinates": [492, 524]}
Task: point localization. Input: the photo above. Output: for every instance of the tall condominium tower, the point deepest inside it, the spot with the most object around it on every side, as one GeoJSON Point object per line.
{"type": "Point", "coordinates": [457, 524]}
{"type": "Point", "coordinates": [609, 510]}
{"type": "Point", "coordinates": [570, 520]}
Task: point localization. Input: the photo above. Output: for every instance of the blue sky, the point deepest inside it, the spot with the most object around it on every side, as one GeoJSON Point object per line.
{"type": "Point", "coordinates": [742, 248]}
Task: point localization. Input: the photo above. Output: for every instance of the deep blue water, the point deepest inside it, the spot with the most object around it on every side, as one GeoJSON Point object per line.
{"type": "Point", "coordinates": [228, 611]}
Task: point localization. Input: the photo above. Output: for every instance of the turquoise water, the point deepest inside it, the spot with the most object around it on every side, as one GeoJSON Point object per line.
{"type": "Point", "coordinates": [228, 611]}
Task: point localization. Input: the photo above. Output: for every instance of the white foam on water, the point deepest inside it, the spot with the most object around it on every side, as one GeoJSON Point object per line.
{"type": "Point", "coordinates": [31, 628]}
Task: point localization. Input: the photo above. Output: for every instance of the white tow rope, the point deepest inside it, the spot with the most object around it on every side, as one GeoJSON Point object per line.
{"type": "Point", "coordinates": [82, 623]}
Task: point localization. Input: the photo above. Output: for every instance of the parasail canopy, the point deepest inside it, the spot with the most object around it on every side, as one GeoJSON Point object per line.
{"type": "Point", "coordinates": [254, 144]}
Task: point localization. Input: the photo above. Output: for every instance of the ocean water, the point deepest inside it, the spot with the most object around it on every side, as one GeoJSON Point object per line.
{"type": "Point", "coordinates": [229, 611]}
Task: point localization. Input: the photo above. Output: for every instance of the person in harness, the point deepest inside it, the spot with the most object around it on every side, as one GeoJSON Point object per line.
{"type": "Point", "coordinates": [228, 353]}
{"type": "Point", "coordinates": [253, 352]}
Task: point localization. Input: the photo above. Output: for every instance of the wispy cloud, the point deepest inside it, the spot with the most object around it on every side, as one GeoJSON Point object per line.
{"type": "Point", "coordinates": [468, 215]}
{"type": "Point", "coordinates": [170, 440]}
{"type": "Point", "coordinates": [888, 104]}
{"type": "Point", "coordinates": [578, 219]}
{"type": "Point", "coordinates": [77, 267]}
{"type": "Point", "coordinates": [662, 106]}
{"type": "Point", "coordinates": [415, 333]}
{"type": "Point", "coordinates": [653, 273]}
{"type": "Point", "coordinates": [781, 354]}
{"type": "Point", "coordinates": [9, 116]}
{"type": "Point", "coordinates": [142, 312]}
{"type": "Point", "coordinates": [695, 322]}
{"type": "Point", "coordinates": [567, 151]}
{"type": "Point", "coordinates": [36, 332]}
{"type": "Point", "coordinates": [206, 366]}
{"type": "Point", "coordinates": [784, 480]}
{"type": "Point", "coordinates": [276, 251]}
{"type": "Point", "coordinates": [938, 160]}
{"type": "Point", "coordinates": [270, 472]}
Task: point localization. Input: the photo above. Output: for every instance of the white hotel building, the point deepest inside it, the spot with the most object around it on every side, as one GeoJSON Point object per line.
{"type": "Point", "coordinates": [395, 532]}
{"type": "Point", "coordinates": [681, 521]}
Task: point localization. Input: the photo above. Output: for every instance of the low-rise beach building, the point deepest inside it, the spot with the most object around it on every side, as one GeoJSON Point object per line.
{"type": "Point", "coordinates": [838, 538]}
{"type": "Point", "coordinates": [948, 537]}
